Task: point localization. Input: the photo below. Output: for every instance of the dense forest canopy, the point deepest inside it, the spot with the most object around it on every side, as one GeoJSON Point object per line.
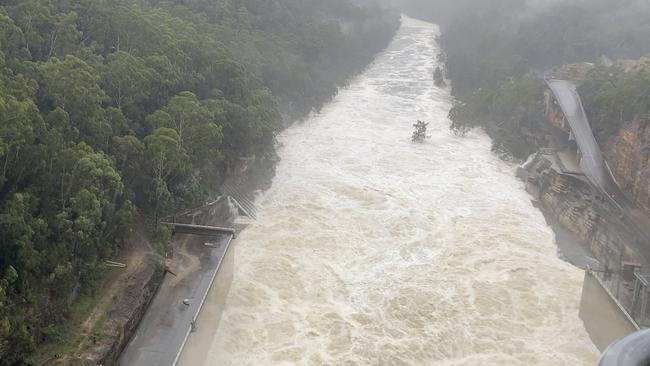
{"type": "Point", "coordinates": [112, 108]}
{"type": "Point", "coordinates": [497, 52]}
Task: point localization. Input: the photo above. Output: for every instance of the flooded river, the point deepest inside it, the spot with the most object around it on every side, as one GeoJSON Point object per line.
{"type": "Point", "coordinates": [373, 250]}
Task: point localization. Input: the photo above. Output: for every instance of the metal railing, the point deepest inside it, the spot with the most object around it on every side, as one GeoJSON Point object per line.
{"type": "Point", "coordinates": [630, 288]}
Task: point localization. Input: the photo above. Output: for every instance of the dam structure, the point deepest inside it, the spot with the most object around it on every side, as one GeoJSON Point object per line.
{"type": "Point", "coordinates": [370, 249]}
{"type": "Point", "coordinates": [199, 272]}
{"type": "Point", "coordinates": [616, 292]}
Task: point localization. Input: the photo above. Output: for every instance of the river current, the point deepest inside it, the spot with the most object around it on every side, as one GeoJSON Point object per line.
{"type": "Point", "coordinates": [369, 249]}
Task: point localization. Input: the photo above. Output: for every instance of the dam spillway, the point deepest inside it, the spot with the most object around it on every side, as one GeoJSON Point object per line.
{"type": "Point", "coordinates": [369, 249]}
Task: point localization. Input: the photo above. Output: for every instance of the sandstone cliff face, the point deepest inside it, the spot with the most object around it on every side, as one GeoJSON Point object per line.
{"type": "Point", "coordinates": [581, 209]}
{"type": "Point", "coordinates": [628, 156]}
{"type": "Point", "coordinates": [554, 115]}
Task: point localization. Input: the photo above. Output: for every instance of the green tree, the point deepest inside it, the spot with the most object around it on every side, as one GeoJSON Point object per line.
{"type": "Point", "coordinates": [195, 125]}
{"type": "Point", "coordinates": [105, 103]}
{"type": "Point", "coordinates": [17, 120]}
{"type": "Point", "coordinates": [128, 152]}
{"type": "Point", "coordinates": [167, 165]}
{"type": "Point", "coordinates": [73, 85]}
{"type": "Point", "coordinates": [613, 96]}
{"type": "Point", "coordinates": [12, 39]}
{"type": "Point", "coordinates": [128, 81]}
{"type": "Point", "coordinates": [47, 33]}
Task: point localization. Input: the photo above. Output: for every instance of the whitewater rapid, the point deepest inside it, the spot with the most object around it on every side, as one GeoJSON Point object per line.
{"type": "Point", "coordinates": [369, 249]}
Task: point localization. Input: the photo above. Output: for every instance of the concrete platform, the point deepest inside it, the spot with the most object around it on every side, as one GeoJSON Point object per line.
{"type": "Point", "coordinates": [568, 163]}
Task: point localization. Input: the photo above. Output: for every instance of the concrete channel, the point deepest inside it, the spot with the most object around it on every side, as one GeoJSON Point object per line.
{"type": "Point", "coordinates": [202, 267]}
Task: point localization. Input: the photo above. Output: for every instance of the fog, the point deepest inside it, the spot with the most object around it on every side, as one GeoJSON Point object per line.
{"type": "Point", "coordinates": [589, 28]}
{"type": "Point", "coordinates": [611, 13]}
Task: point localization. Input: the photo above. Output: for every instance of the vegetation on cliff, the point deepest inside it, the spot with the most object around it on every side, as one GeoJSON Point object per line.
{"type": "Point", "coordinates": [113, 107]}
{"type": "Point", "coordinates": [613, 95]}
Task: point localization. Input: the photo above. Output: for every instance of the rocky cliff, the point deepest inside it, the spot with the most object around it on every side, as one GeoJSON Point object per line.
{"type": "Point", "coordinates": [628, 152]}
{"type": "Point", "coordinates": [582, 210]}
{"type": "Point", "coordinates": [628, 155]}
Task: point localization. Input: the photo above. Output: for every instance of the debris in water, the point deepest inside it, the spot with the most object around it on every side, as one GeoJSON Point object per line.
{"type": "Point", "coordinates": [420, 132]}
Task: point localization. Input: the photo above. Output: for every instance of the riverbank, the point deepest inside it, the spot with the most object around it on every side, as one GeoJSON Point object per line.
{"type": "Point", "coordinates": [98, 336]}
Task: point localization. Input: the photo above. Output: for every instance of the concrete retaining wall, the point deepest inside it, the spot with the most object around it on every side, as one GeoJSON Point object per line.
{"type": "Point", "coordinates": [604, 318]}
{"type": "Point", "coordinates": [198, 342]}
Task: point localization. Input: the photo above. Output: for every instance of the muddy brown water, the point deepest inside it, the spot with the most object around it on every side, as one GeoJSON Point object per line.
{"type": "Point", "coordinates": [372, 250]}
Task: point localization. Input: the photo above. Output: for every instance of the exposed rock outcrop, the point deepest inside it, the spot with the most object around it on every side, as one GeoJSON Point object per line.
{"type": "Point", "coordinates": [628, 155]}
{"type": "Point", "coordinates": [582, 210]}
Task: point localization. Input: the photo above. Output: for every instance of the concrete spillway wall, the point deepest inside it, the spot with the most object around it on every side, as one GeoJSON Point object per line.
{"type": "Point", "coordinates": [180, 302]}
{"type": "Point", "coordinates": [188, 303]}
{"type": "Point", "coordinates": [605, 319]}
{"type": "Point", "coordinates": [206, 320]}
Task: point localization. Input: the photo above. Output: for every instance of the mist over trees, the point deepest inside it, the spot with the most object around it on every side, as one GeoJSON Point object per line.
{"type": "Point", "coordinates": [498, 50]}
{"type": "Point", "coordinates": [115, 108]}
{"type": "Point", "coordinates": [551, 30]}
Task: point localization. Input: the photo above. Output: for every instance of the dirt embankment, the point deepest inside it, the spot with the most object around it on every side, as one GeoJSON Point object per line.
{"type": "Point", "coordinates": [123, 303]}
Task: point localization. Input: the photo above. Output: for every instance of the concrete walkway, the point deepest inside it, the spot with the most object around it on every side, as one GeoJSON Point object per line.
{"type": "Point", "coordinates": [164, 328]}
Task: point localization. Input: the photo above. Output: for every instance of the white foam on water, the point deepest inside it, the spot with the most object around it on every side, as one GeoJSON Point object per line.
{"type": "Point", "coordinates": [372, 250]}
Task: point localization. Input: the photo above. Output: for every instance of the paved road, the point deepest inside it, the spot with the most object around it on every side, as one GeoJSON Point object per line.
{"type": "Point", "coordinates": [592, 162]}
{"type": "Point", "coordinates": [163, 329]}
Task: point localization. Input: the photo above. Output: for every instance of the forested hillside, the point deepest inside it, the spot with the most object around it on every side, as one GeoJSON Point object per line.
{"type": "Point", "coordinates": [116, 108]}
{"type": "Point", "coordinates": [499, 50]}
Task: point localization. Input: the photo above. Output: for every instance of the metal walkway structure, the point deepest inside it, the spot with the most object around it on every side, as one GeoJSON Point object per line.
{"type": "Point", "coordinates": [245, 202]}
{"type": "Point", "coordinates": [201, 230]}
